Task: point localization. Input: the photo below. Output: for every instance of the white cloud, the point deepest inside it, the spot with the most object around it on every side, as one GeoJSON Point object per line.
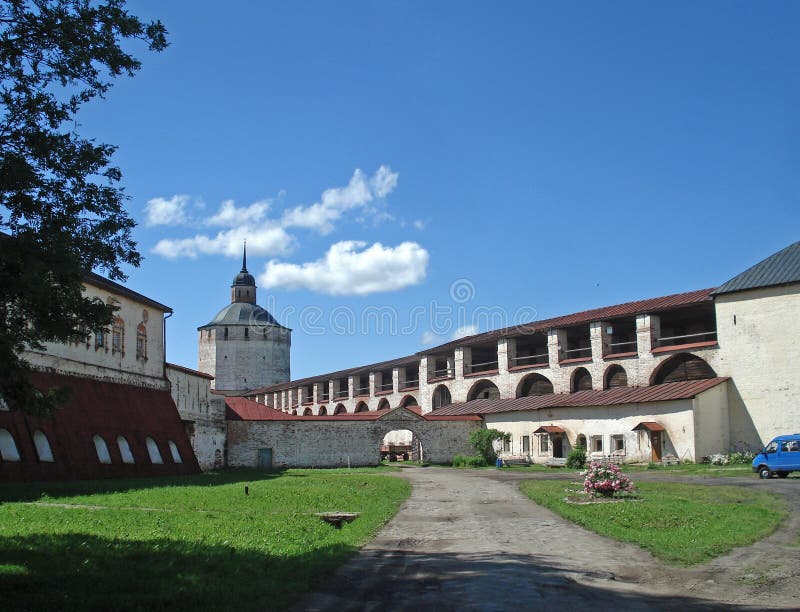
{"type": "Point", "coordinates": [266, 242]}
{"type": "Point", "coordinates": [383, 181]}
{"type": "Point", "coordinates": [350, 269]}
{"type": "Point", "coordinates": [429, 337]}
{"type": "Point", "coordinates": [268, 236]}
{"type": "Point", "coordinates": [166, 211]}
{"type": "Point", "coordinates": [464, 331]}
{"type": "Point", "coordinates": [359, 192]}
{"type": "Point", "coordinates": [231, 216]}
{"type": "Point", "coordinates": [420, 225]}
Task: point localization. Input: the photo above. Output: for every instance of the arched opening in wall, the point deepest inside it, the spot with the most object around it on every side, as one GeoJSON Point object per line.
{"type": "Point", "coordinates": [483, 389]}
{"type": "Point", "coordinates": [441, 397]}
{"type": "Point", "coordinates": [581, 441]}
{"type": "Point", "coordinates": [340, 409]}
{"type": "Point", "coordinates": [125, 450]}
{"type": "Point", "coordinates": [308, 412]}
{"type": "Point", "coordinates": [362, 407]}
{"type": "Point", "coordinates": [152, 450]}
{"type": "Point", "coordinates": [534, 384]}
{"type": "Point", "coordinates": [383, 404]}
{"type": "Point", "coordinates": [615, 376]}
{"type": "Point", "coordinates": [294, 412]}
{"type": "Point", "coordinates": [323, 411]}
{"type": "Point", "coordinates": [581, 380]}
{"type": "Point", "coordinates": [8, 446]}
{"type": "Point", "coordinates": [101, 448]}
{"type": "Point", "coordinates": [176, 455]}
{"type": "Point", "coordinates": [681, 367]}
{"type": "Point", "coordinates": [400, 445]}
{"type": "Point", "coordinates": [42, 444]}
{"type": "Point", "coordinates": [408, 401]}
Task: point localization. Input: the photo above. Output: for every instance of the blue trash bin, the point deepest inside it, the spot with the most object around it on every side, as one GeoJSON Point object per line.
{"type": "Point", "coordinates": [499, 463]}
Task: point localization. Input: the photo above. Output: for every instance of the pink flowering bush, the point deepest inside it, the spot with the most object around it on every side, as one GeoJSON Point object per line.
{"type": "Point", "coordinates": [606, 480]}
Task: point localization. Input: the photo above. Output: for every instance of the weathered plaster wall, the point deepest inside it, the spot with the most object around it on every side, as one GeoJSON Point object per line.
{"type": "Point", "coordinates": [202, 413]}
{"type": "Point", "coordinates": [759, 338]}
{"type": "Point", "coordinates": [339, 443]}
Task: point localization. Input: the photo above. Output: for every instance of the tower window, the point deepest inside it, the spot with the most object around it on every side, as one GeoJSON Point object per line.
{"type": "Point", "coordinates": [226, 333]}
{"type": "Point", "coordinates": [246, 333]}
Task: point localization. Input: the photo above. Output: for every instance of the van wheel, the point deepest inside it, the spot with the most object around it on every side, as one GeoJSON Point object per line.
{"type": "Point", "coordinates": [783, 474]}
{"type": "Point", "coordinates": [764, 472]}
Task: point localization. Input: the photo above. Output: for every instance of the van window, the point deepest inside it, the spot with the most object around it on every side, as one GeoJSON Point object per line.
{"type": "Point", "coordinates": [790, 446]}
{"type": "Point", "coordinates": [771, 447]}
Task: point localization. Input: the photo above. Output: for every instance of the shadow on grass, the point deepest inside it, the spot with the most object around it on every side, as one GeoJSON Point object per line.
{"type": "Point", "coordinates": [33, 491]}
{"type": "Point", "coordinates": [86, 572]}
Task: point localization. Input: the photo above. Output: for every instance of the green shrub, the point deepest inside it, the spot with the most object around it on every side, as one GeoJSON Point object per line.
{"type": "Point", "coordinates": [482, 439]}
{"type": "Point", "coordinates": [468, 461]}
{"type": "Point", "coordinates": [576, 460]}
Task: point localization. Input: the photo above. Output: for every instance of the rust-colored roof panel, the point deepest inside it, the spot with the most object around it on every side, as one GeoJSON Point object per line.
{"type": "Point", "coordinates": [609, 397]}
{"type": "Point", "coordinates": [649, 426]}
{"type": "Point", "coordinates": [550, 429]}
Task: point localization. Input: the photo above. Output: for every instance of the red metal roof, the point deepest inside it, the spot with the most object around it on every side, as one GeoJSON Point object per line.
{"type": "Point", "coordinates": [550, 429]}
{"type": "Point", "coordinates": [609, 397]}
{"type": "Point", "coordinates": [106, 409]}
{"type": "Point", "coordinates": [649, 426]}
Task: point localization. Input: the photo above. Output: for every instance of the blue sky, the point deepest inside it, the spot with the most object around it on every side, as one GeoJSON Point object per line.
{"type": "Point", "coordinates": [445, 165]}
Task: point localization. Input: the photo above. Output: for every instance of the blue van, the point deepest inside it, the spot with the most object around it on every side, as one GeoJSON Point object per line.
{"type": "Point", "coordinates": [780, 457]}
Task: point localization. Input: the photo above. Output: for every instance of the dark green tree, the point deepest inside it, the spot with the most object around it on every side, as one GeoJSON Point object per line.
{"type": "Point", "coordinates": [61, 202]}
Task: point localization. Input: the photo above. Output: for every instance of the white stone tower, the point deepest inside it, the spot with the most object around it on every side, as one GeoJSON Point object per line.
{"type": "Point", "coordinates": [244, 347]}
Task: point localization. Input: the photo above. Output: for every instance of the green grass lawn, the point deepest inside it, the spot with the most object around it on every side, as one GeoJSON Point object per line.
{"type": "Point", "coordinates": [695, 469]}
{"type": "Point", "coordinates": [682, 524]}
{"type": "Point", "coordinates": [184, 543]}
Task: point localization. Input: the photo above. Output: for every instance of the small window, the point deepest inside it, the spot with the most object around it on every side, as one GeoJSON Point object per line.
{"type": "Point", "coordinates": [118, 336]}
{"type": "Point", "coordinates": [246, 333]}
{"type": "Point", "coordinates": [597, 444]}
{"type": "Point", "coordinates": [173, 449]}
{"type": "Point", "coordinates": [102, 449]}
{"type": "Point", "coordinates": [226, 333]}
{"type": "Point", "coordinates": [43, 450]}
{"type": "Point", "coordinates": [8, 446]}
{"type": "Point", "coordinates": [507, 446]}
{"type": "Point", "coordinates": [544, 444]}
{"type": "Point", "coordinates": [789, 446]}
{"type": "Point", "coordinates": [771, 447]}
{"type": "Point", "coordinates": [152, 450]}
{"type": "Point", "coordinates": [125, 450]}
{"type": "Point", "coordinates": [141, 342]}
{"type": "Point", "coordinates": [526, 444]}
{"type": "Point", "coordinates": [618, 443]}
{"type": "Point", "coordinates": [100, 338]}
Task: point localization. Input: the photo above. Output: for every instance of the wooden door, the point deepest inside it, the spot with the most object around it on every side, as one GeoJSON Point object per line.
{"type": "Point", "coordinates": [558, 450]}
{"type": "Point", "coordinates": [655, 443]}
{"type": "Point", "coordinates": [264, 458]}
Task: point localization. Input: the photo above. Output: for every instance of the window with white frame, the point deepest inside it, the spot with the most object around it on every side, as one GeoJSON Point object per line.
{"type": "Point", "coordinates": [526, 444]}
{"type": "Point", "coordinates": [618, 444]}
{"type": "Point", "coordinates": [544, 444]}
{"type": "Point", "coordinates": [507, 446]}
{"type": "Point", "coordinates": [596, 444]}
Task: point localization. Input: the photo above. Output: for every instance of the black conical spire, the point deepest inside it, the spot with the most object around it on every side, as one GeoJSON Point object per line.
{"type": "Point", "coordinates": [244, 256]}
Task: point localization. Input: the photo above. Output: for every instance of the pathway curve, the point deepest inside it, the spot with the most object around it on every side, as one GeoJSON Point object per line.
{"type": "Point", "coordinates": [470, 540]}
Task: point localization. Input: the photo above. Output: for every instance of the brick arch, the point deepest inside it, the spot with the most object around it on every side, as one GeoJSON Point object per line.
{"type": "Point", "coordinates": [483, 389]}
{"type": "Point", "coordinates": [340, 409]}
{"type": "Point", "coordinates": [680, 367]}
{"type": "Point", "coordinates": [308, 412]}
{"type": "Point", "coordinates": [384, 404]}
{"type": "Point", "coordinates": [409, 400]}
{"type": "Point", "coordinates": [323, 411]}
{"type": "Point", "coordinates": [615, 376]}
{"type": "Point", "coordinates": [534, 384]}
{"type": "Point", "coordinates": [581, 380]}
{"type": "Point", "coordinates": [362, 407]}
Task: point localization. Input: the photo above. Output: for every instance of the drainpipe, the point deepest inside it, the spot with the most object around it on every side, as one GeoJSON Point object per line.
{"type": "Point", "coordinates": [164, 336]}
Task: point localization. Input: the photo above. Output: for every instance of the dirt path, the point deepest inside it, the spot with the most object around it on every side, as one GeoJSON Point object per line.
{"type": "Point", "coordinates": [470, 540]}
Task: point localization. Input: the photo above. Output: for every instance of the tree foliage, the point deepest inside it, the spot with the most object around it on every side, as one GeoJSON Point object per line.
{"type": "Point", "coordinates": [482, 440]}
{"type": "Point", "coordinates": [61, 202]}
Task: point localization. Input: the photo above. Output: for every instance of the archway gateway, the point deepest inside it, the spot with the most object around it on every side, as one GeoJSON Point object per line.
{"type": "Point", "coordinates": [401, 445]}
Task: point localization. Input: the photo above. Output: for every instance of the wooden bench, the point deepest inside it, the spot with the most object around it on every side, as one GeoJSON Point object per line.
{"type": "Point", "coordinates": [556, 462]}
{"type": "Point", "coordinates": [516, 460]}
